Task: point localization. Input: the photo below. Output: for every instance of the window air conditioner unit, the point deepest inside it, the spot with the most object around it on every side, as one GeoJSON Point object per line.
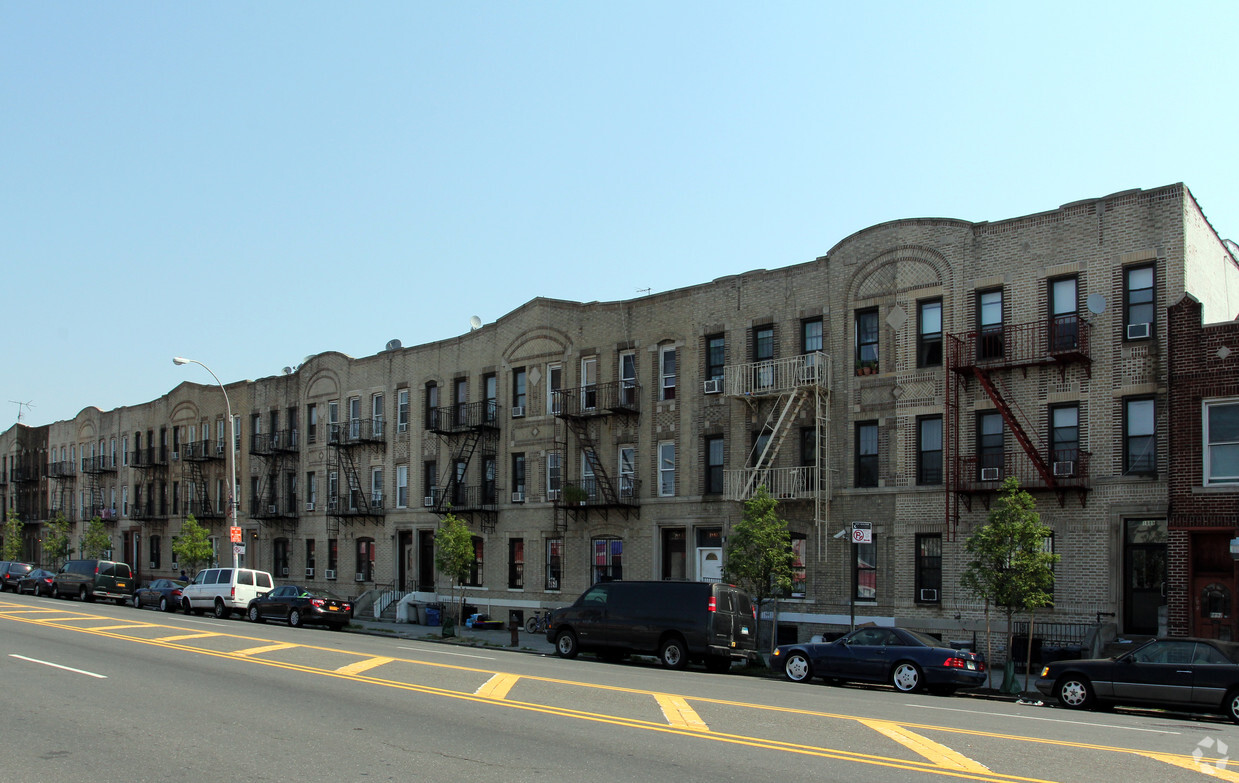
{"type": "Point", "coordinates": [153, 566]}
{"type": "Point", "coordinates": [271, 509]}
{"type": "Point", "coordinates": [1138, 331]}
{"type": "Point", "coordinates": [329, 574]}
{"type": "Point", "coordinates": [175, 566]}
{"type": "Point", "coordinates": [309, 573]}
{"type": "Point", "coordinates": [518, 497]}
{"type": "Point", "coordinates": [428, 501]}
{"type": "Point", "coordinates": [284, 571]}
{"type": "Point", "coordinates": [176, 455]}
{"type": "Point", "coordinates": [220, 449]}
{"type": "Point", "coordinates": [333, 505]}
{"type": "Point", "coordinates": [360, 577]}
{"type": "Point", "coordinates": [402, 426]}
{"type": "Point", "coordinates": [989, 474]}
{"type": "Point", "coordinates": [1067, 468]}
{"type": "Point", "coordinates": [929, 594]}
{"type": "Point", "coordinates": [309, 506]}
{"type": "Point", "coordinates": [552, 494]}
{"type": "Point", "coordinates": [713, 386]}
{"type": "Point", "coordinates": [518, 411]}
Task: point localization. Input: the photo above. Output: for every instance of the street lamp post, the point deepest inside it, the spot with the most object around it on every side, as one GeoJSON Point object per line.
{"type": "Point", "coordinates": [230, 513]}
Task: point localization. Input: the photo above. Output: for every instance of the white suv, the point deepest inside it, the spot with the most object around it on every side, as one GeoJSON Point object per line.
{"type": "Point", "coordinates": [224, 590]}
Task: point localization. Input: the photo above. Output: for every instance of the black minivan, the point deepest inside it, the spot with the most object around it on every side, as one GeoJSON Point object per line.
{"type": "Point", "coordinates": [679, 622]}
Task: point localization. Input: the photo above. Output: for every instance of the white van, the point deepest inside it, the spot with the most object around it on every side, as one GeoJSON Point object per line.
{"type": "Point", "coordinates": [224, 590]}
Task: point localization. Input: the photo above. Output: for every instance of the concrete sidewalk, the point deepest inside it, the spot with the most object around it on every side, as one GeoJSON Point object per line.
{"type": "Point", "coordinates": [470, 637]}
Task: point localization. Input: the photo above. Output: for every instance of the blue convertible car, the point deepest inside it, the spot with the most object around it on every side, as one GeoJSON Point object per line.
{"type": "Point", "coordinates": [905, 659]}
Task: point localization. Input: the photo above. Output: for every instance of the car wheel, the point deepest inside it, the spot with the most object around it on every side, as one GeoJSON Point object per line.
{"type": "Point", "coordinates": [566, 645]}
{"type": "Point", "coordinates": [798, 668]}
{"type": "Point", "coordinates": [673, 653]}
{"type": "Point", "coordinates": [294, 618]}
{"type": "Point", "coordinates": [1074, 692]}
{"type": "Point", "coordinates": [81, 593]}
{"type": "Point", "coordinates": [221, 611]}
{"type": "Point", "coordinates": [906, 677]}
{"type": "Point", "coordinates": [163, 604]}
{"type": "Point", "coordinates": [137, 602]}
{"type": "Point", "coordinates": [55, 591]}
{"type": "Point", "coordinates": [1232, 705]}
{"type": "Point", "coordinates": [254, 615]}
{"type": "Point", "coordinates": [37, 591]}
{"type": "Point", "coordinates": [185, 607]}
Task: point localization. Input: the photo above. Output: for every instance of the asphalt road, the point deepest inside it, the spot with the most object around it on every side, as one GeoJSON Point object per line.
{"type": "Point", "coordinates": [100, 692]}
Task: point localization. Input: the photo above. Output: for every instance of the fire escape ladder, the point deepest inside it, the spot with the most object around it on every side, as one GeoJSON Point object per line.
{"type": "Point", "coordinates": [787, 406]}
{"type": "Point", "coordinates": [602, 479]}
{"type": "Point", "coordinates": [347, 466]}
{"type": "Point", "coordinates": [463, 455]}
{"type": "Point", "coordinates": [1013, 423]}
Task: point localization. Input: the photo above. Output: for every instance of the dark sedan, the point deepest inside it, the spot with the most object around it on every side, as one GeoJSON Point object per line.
{"type": "Point", "coordinates": [38, 582]}
{"type": "Point", "coordinates": [164, 593]}
{"type": "Point", "coordinates": [299, 605]}
{"type": "Point", "coordinates": [10, 572]}
{"type": "Point", "coordinates": [905, 659]}
{"type": "Point", "coordinates": [1193, 675]}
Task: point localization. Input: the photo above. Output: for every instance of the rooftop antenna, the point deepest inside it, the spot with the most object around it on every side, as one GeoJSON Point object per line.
{"type": "Point", "coordinates": [645, 291]}
{"type": "Point", "coordinates": [20, 405]}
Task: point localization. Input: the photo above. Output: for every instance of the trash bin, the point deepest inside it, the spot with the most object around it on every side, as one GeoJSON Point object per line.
{"type": "Point", "coordinates": [432, 615]}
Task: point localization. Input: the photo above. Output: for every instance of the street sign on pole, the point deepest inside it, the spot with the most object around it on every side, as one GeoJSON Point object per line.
{"type": "Point", "coordinates": [238, 549]}
{"type": "Point", "coordinates": [862, 532]}
{"type": "Point", "coordinates": [234, 534]}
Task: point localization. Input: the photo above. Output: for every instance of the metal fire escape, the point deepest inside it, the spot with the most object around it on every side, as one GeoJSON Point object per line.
{"type": "Point", "coordinates": [587, 411]}
{"type": "Point", "coordinates": [93, 470]}
{"type": "Point", "coordinates": [62, 475]}
{"type": "Point", "coordinates": [464, 428]}
{"type": "Point", "coordinates": [990, 357]}
{"type": "Point", "coordinates": [278, 454]}
{"type": "Point", "coordinates": [352, 444]}
{"type": "Point", "coordinates": [195, 457]}
{"type": "Point", "coordinates": [151, 466]}
{"type": "Point", "coordinates": [776, 391]}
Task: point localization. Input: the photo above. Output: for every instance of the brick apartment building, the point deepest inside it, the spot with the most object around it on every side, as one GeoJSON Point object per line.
{"type": "Point", "coordinates": [895, 380]}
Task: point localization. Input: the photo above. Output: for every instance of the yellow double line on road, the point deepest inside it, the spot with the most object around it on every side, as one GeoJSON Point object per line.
{"type": "Point", "coordinates": [681, 718]}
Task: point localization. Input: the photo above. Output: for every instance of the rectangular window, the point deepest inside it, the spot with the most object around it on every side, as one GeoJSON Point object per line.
{"type": "Point", "coordinates": [1221, 439]}
{"type": "Point", "coordinates": [518, 477]}
{"type": "Point", "coordinates": [667, 372]}
{"type": "Point", "coordinates": [311, 489]}
{"type": "Point", "coordinates": [376, 415]}
{"type": "Point", "coordinates": [867, 454]}
{"type": "Point", "coordinates": [554, 382]}
{"type": "Point", "coordinates": [333, 553]}
{"type": "Point", "coordinates": [431, 410]}
{"type": "Point", "coordinates": [929, 333]}
{"type": "Point", "coordinates": [309, 557]}
{"type": "Point", "coordinates": [990, 459]}
{"type": "Point", "coordinates": [1139, 438]}
{"type": "Point", "coordinates": [490, 392]}
{"type": "Point", "coordinates": [628, 379]}
{"type": "Point", "coordinates": [589, 383]}
{"type": "Point", "coordinates": [989, 324]}
{"type": "Point", "coordinates": [929, 450]}
{"type": "Point", "coordinates": [608, 560]}
{"type": "Point", "coordinates": [519, 391]}
{"type": "Point", "coordinates": [474, 579]}
{"type": "Point", "coordinates": [554, 566]}
{"type": "Point", "coordinates": [402, 410]}
{"type": "Point", "coordinates": [666, 469]}
{"type": "Point", "coordinates": [460, 401]}
{"type": "Point", "coordinates": [928, 568]}
{"type": "Point", "coordinates": [516, 563]}
{"type": "Point", "coordinates": [675, 553]}
{"type": "Point", "coordinates": [1138, 310]}
{"type": "Point", "coordinates": [716, 356]}
{"type": "Point", "coordinates": [1064, 315]}
{"type": "Point", "coordinates": [333, 490]}
{"type": "Point", "coordinates": [311, 423]}
{"type": "Point", "coordinates": [799, 572]}
{"type": "Point", "coordinates": [714, 465]}
{"type": "Point", "coordinates": [867, 339]}
{"type": "Point", "coordinates": [628, 472]}
{"type": "Point", "coordinates": [402, 486]}
{"type": "Point", "coordinates": [588, 483]}
{"type": "Point", "coordinates": [763, 356]}
{"type": "Point", "coordinates": [554, 474]}
{"type": "Point", "coordinates": [490, 490]}
{"type": "Point", "coordinates": [811, 335]}
{"type": "Point", "coordinates": [865, 572]}
{"type": "Point", "coordinates": [808, 458]}
{"type": "Point", "coordinates": [1064, 439]}
{"type": "Point", "coordinates": [430, 482]}
{"type": "Point", "coordinates": [333, 421]}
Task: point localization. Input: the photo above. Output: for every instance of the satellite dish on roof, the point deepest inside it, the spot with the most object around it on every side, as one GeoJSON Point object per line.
{"type": "Point", "coordinates": [474, 322]}
{"type": "Point", "coordinates": [1096, 304]}
{"type": "Point", "coordinates": [393, 345]}
{"type": "Point", "coordinates": [288, 371]}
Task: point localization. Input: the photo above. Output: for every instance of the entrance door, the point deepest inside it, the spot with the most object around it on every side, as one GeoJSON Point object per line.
{"type": "Point", "coordinates": [710, 565]}
{"type": "Point", "coordinates": [133, 552]}
{"type": "Point", "coordinates": [404, 555]}
{"type": "Point", "coordinates": [425, 561]}
{"type": "Point", "coordinates": [1144, 583]}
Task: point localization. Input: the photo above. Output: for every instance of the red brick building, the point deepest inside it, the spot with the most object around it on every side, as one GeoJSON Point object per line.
{"type": "Point", "coordinates": [1203, 370]}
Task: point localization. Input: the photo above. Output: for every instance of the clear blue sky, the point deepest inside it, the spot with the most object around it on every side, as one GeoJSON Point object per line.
{"type": "Point", "coordinates": [250, 183]}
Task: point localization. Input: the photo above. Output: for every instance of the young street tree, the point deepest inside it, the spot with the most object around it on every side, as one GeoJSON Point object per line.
{"type": "Point", "coordinates": [193, 547]}
{"type": "Point", "coordinates": [1008, 565]}
{"type": "Point", "coordinates": [759, 551]}
{"type": "Point", "coordinates": [96, 542]}
{"type": "Point", "coordinates": [56, 541]}
{"type": "Point", "coordinates": [454, 556]}
{"type": "Point", "coordinates": [12, 536]}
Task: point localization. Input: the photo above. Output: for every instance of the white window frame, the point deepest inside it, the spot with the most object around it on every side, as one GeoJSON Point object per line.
{"type": "Point", "coordinates": [554, 382]}
{"type": "Point", "coordinates": [666, 469]}
{"type": "Point", "coordinates": [376, 487]}
{"type": "Point", "coordinates": [667, 381]}
{"type": "Point", "coordinates": [554, 472]}
{"type": "Point", "coordinates": [402, 486]}
{"type": "Point", "coordinates": [402, 410]}
{"type": "Point", "coordinates": [589, 381]}
{"type": "Point", "coordinates": [1208, 445]}
{"type": "Point", "coordinates": [627, 461]}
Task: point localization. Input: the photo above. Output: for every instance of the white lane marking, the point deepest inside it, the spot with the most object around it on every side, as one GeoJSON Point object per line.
{"type": "Point", "coordinates": [442, 652]}
{"type": "Point", "coordinates": [1051, 720]}
{"type": "Point", "coordinates": [58, 666]}
{"type": "Point", "coordinates": [205, 622]}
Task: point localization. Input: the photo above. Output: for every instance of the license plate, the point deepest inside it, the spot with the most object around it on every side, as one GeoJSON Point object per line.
{"type": "Point", "coordinates": [972, 665]}
{"type": "Point", "coordinates": [120, 584]}
{"type": "Point", "coordinates": [333, 608]}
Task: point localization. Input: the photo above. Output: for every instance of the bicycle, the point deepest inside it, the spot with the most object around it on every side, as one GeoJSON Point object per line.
{"type": "Point", "coordinates": [538, 621]}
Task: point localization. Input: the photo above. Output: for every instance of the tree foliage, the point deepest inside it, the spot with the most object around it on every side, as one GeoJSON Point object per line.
{"type": "Point", "coordinates": [192, 547]}
{"type": "Point", "coordinates": [454, 553]}
{"type": "Point", "coordinates": [56, 541]}
{"type": "Point", "coordinates": [96, 543]}
{"type": "Point", "coordinates": [759, 557]}
{"type": "Point", "coordinates": [12, 536]}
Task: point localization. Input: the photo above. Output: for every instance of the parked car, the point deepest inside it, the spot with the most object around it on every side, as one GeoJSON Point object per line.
{"type": "Point", "coordinates": [224, 590]}
{"type": "Point", "coordinates": [679, 622]}
{"type": "Point", "coordinates": [299, 605]}
{"type": "Point", "coordinates": [90, 579]}
{"type": "Point", "coordinates": [10, 572]}
{"type": "Point", "coordinates": [164, 593]}
{"type": "Point", "coordinates": [37, 582]}
{"type": "Point", "coordinates": [1200, 675]}
{"type": "Point", "coordinates": [905, 659]}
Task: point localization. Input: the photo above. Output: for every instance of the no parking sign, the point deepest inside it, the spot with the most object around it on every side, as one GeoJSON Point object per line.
{"type": "Point", "coordinates": [862, 532]}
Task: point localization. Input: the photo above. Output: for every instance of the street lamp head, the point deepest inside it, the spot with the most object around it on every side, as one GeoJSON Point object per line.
{"type": "Point", "coordinates": [179, 360]}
